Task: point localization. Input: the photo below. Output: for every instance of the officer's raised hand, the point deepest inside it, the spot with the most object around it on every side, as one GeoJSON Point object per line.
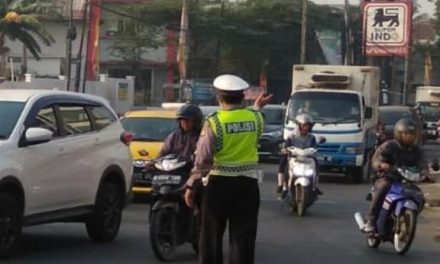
{"type": "Point", "coordinates": [262, 100]}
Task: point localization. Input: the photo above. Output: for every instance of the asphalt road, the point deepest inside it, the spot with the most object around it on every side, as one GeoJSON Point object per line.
{"type": "Point", "coordinates": [328, 234]}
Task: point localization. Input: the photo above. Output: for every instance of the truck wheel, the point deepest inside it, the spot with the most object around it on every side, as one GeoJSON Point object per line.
{"type": "Point", "coordinates": [10, 225]}
{"type": "Point", "coordinates": [104, 223]}
{"type": "Point", "coordinates": [361, 174]}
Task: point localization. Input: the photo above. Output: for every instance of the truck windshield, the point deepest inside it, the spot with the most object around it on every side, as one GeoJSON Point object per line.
{"type": "Point", "coordinates": [431, 112]}
{"type": "Point", "coordinates": [326, 108]}
{"type": "Point", "coordinates": [9, 114]}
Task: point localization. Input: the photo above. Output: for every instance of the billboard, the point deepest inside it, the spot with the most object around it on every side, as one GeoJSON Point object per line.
{"type": "Point", "coordinates": [387, 28]}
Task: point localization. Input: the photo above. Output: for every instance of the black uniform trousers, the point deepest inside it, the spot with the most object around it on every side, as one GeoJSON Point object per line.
{"type": "Point", "coordinates": [381, 188]}
{"type": "Point", "coordinates": [232, 200]}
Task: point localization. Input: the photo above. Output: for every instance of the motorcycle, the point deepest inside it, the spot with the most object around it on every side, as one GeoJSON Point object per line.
{"type": "Point", "coordinates": [397, 220]}
{"type": "Point", "coordinates": [172, 222]}
{"type": "Point", "coordinates": [303, 178]}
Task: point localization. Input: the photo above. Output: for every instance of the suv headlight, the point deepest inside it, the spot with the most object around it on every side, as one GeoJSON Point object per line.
{"type": "Point", "coordinates": [169, 165]}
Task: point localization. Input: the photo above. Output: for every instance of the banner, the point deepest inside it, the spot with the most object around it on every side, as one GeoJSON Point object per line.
{"type": "Point", "coordinates": [387, 28]}
{"type": "Point", "coordinates": [92, 61]}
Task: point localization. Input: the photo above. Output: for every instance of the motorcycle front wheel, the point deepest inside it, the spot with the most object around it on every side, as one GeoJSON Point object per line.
{"type": "Point", "coordinates": [302, 199]}
{"type": "Point", "coordinates": [163, 233]}
{"type": "Point", "coordinates": [373, 242]}
{"type": "Point", "coordinates": [405, 231]}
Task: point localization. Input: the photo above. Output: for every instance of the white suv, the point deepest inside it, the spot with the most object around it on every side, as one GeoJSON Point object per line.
{"type": "Point", "coordinates": [63, 157]}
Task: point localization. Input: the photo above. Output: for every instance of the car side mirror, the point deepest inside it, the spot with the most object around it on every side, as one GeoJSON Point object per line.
{"type": "Point", "coordinates": [425, 126]}
{"type": "Point", "coordinates": [368, 112]}
{"type": "Point", "coordinates": [322, 140]}
{"type": "Point", "coordinates": [37, 135]}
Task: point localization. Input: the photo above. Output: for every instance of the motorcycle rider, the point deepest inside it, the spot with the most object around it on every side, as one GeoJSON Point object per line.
{"type": "Point", "coordinates": [183, 141]}
{"type": "Point", "coordinates": [303, 139]}
{"type": "Point", "coordinates": [400, 151]}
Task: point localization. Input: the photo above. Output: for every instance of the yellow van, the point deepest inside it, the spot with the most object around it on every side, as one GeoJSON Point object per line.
{"type": "Point", "coordinates": [149, 129]}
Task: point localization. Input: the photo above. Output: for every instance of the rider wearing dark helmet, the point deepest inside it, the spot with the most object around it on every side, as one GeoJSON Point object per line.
{"type": "Point", "coordinates": [402, 151]}
{"type": "Point", "coordinates": [183, 141]}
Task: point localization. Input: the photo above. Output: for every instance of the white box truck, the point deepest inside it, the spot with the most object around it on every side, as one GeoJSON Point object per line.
{"type": "Point", "coordinates": [343, 101]}
{"type": "Point", "coordinates": [428, 102]}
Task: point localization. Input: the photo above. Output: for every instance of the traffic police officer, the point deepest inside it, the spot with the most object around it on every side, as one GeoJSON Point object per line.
{"type": "Point", "coordinates": [226, 159]}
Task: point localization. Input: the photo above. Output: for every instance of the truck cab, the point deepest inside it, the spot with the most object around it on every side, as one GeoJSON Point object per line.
{"type": "Point", "coordinates": [343, 102]}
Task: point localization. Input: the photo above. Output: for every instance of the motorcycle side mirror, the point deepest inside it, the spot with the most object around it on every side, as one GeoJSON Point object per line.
{"type": "Point", "coordinates": [322, 140]}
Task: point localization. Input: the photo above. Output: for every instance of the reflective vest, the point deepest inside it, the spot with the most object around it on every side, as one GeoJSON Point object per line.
{"type": "Point", "coordinates": [236, 138]}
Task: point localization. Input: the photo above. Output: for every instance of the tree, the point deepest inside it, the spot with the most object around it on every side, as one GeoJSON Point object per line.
{"type": "Point", "coordinates": [21, 22]}
{"type": "Point", "coordinates": [239, 37]}
{"type": "Point", "coordinates": [141, 29]}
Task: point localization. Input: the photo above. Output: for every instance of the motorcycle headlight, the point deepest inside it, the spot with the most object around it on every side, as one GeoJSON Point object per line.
{"type": "Point", "coordinates": [302, 171]}
{"type": "Point", "coordinates": [308, 172]}
{"type": "Point", "coordinates": [169, 165]}
{"type": "Point", "coordinates": [297, 171]}
{"type": "Point", "coordinates": [139, 163]}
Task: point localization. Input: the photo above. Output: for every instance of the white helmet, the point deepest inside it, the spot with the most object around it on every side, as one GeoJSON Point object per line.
{"type": "Point", "coordinates": [230, 83]}
{"type": "Point", "coordinates": [304, 119]}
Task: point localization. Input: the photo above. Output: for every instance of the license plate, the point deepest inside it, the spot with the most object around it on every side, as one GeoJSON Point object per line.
{"type": "Point", "coordinates": [167, 179]}
{"type": "Point", "coordinates": [147, 177]}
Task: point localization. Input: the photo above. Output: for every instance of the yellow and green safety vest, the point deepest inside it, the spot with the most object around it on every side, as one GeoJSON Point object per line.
{"type": "Point", "coordinates": [236, 138]}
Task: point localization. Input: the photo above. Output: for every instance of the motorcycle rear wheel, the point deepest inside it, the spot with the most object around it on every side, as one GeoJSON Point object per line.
{"type": "Point", "coordinates": [406, 229]}
{"type": "Point", "coordinates": [163, 234]}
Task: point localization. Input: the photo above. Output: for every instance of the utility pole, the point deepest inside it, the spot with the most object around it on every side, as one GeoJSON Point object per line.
{"type": "Point", "coordinates": [348, 47]}
{"type": "Point", "coordinates": [303, 32]}
{"type": "Point", "coordinates": [71, 35]}
{"type": "Point", "coordinates": [407, 78]}
{"type": "Point", "coordinates": [80, 51]}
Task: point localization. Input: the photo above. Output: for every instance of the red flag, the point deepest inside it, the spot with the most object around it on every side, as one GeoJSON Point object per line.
{"type": "Point", "coordinates": [263, 77]}
{"type": "Point", "coordinates": [92, 61]}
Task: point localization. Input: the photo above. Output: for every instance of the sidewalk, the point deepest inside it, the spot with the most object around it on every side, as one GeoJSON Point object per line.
{"type": "Point", "coordinates": [432, 194]}
{"type": "Point", "coordinates": [432, 191]}
{"type": "Point", "coordinates": [433, 216]}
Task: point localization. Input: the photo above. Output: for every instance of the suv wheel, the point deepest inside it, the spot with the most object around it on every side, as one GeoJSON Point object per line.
{"type": "Point", "coordinates": [103, 225]}
{"type": "Point", "coordinates": [10, 225]}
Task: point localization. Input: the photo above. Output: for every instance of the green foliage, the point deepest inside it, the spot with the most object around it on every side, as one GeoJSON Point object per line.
{"type": "Point", "coordinates": [27, 28]}
{"type": "Point", "coordinates": [230, 37]}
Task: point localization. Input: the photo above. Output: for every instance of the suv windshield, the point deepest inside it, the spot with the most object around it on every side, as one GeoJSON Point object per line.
{"type": "Point", "coordinates": [273, 116]}
{"type": "Point", "coordinates": [9, 114]}
{"type": "Point", "coordinates": [431, 113]}
{"type": "Point", "coordinates": [149, 129]}
{"type": "Point", "coordinates": [326, 108]}
{"type": "Point", "coordinates": [391, 117]}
